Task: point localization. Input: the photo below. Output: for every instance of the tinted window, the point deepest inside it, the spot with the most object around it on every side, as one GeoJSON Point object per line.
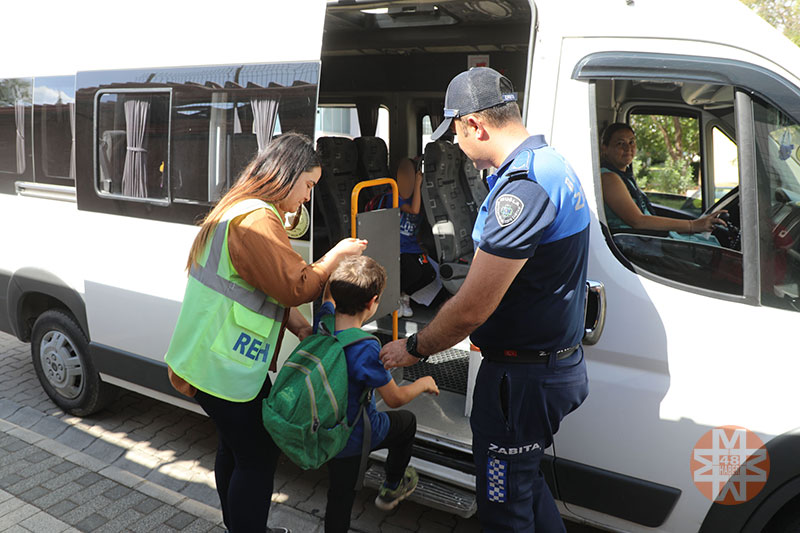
{"type": "Point", "coordinates": [132, 143]}
{"type": "Point", "coordinates": [193, 132]}
{"type": "Point", "coordinates": [15, 127]}
{"type": "Point", "coordinates": [778, 166]}
{"type": "Point", "coordinates": [54, 124]}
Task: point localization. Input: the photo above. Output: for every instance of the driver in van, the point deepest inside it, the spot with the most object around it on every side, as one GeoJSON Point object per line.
{"type": "Point", "coordinates": [626, 205]}
{"type": "Point", "coordinates": [522, 302]}
{"type": "Point", "coordinates": [245, 283]}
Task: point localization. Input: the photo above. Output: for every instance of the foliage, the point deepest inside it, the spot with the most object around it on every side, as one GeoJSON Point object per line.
{"type": "Point", "coordinates": [783, 14]}
{"type": "Point", "coordinates": [667, 148]}
{"type": "Point", "coordinates": [12, 90]}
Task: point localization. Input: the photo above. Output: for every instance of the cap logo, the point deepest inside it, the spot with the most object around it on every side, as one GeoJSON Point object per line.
{"type": "Point", "coordinates": [507, 209]}
{"type": "Point", "coordinates": [450, 113]}
{"type": "Point", "coordinates": [512, 97]}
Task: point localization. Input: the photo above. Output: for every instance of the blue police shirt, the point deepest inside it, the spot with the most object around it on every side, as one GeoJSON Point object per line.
{"type": "Point", "coordinates": [364, 369]}
{"type": "Point", "coordinates": [536, 210]}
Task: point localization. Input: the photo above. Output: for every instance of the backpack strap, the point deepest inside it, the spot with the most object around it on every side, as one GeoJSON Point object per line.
{"type": "Point", "coordinates": [366, 438]}
{"type": "Point", "coordinates": [349, 337]}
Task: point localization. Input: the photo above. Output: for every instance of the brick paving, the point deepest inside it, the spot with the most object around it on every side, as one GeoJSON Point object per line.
{"type": "Point", "coordinates": [143, 465]}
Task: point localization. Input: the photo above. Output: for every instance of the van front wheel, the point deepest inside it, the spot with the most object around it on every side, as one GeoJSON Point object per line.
{"type": "Point", "coordinates": [60, 353]}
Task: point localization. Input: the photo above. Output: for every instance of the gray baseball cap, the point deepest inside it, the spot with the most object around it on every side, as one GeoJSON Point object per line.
{"type": "Point", "coordinates": [476, 89]}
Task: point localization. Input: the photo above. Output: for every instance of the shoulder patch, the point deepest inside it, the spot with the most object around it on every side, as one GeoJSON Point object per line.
{"type": "Point", "coordinates": [521, 163]}
{"type": "Point", "coordinates": [507, 209]}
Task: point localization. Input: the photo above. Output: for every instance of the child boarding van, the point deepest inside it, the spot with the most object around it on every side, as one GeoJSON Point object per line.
{"type": "Point", "coordinates": [119, 128]}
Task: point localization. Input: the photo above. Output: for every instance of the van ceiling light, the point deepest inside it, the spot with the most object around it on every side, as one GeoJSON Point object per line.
{"type": "Point", "coordinates": [376, 11]}
{"type": "Point", "coordinates": [497, 9]}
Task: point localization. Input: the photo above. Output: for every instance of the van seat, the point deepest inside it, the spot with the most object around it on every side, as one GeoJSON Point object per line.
{"type": "Point", "coordinates": [473, 183]}
{"type": "Point", "coordinates": [449, 208]}
{"type": "Point", "coordinates": [373, 158]}
{"type": "Point", "coordinates": [339, 159]}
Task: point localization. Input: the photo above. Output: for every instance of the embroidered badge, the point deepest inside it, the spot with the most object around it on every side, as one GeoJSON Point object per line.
{"type": "Point", "coordinates": [507, 209]}
{"type": "Point", "coordinates": [496, 471]}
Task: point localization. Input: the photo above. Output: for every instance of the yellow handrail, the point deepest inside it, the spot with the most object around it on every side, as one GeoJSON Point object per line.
{"type": "Point", "coordinates": [354, 212]}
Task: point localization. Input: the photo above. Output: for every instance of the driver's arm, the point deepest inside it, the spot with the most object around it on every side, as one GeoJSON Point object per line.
{"type": "Point", "coordinates": [616, 195]}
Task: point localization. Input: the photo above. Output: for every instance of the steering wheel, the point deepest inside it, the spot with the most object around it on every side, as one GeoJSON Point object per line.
{"type": "Point", "coordinates": [729, 236]}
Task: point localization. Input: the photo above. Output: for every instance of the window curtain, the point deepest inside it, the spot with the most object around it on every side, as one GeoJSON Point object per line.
{"type": "Point", "coordinates": [72, 172]}
{"type": "Point", "coordinates": [134, 174]}
{"type": "Point", "coordinates": [19, 117]}
{"type": "Point", "coordinates": [367, 118]}
{"type": "Point", "coordinates": [265, 112]}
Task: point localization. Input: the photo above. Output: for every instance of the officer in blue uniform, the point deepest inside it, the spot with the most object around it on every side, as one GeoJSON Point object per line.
{"type": "Point", "coordinates": [522, 302]}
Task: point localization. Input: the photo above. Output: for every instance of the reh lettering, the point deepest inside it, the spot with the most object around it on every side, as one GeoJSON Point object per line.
{"type": "Point", "coordinates": [251, 348]}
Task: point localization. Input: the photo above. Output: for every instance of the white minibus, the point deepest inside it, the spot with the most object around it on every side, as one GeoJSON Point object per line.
{"type": "Point", "coordinates": [121, 125]}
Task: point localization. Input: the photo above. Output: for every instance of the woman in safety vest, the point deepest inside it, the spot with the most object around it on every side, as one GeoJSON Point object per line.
{"type": "Point", "coordinates": [245, 282]}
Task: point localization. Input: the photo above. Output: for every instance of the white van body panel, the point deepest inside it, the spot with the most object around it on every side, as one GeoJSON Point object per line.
{"type": "Point", "coordinates": [671, 364]}
{"type": "Point", "coordinates": [94, 37]}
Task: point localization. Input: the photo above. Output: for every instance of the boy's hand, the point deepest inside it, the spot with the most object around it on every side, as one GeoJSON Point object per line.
{"type": "Point", "coordinates": [418, 178]}
{"type": "Point", "coordinates": [430, 385]}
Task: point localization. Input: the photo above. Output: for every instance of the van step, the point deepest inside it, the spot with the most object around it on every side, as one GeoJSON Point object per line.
{"type": "Point", "coordinates": [449, 368]}
{"type": "Point", "coordinates": [431, 493]}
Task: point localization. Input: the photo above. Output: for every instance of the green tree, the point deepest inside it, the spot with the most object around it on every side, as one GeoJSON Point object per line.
{"type": "Point", "coordinates": [668, 149]}
{"type": "Point", "coordinates": [783, 14]}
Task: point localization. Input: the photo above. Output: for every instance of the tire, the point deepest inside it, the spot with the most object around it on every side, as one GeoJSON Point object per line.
{"type": "Point", "coordinates": [787, 521]}
{"type": "Point", "coordinates": [60, 353]}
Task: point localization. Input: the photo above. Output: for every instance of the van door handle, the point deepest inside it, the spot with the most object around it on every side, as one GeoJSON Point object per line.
{"type": "Point", "coordinates": [594, 312]}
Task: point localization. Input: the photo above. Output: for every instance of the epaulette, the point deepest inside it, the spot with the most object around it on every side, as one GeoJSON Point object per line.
{"type": "Point", "coordinates": [521, 165]}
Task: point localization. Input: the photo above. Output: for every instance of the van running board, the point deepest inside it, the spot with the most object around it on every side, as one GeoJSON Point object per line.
{"type": "Point", "coordinates": [431, 493]}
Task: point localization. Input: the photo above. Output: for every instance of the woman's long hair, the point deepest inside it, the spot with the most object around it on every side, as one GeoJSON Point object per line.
{"type": "Point", "coordinates": [268, 177]}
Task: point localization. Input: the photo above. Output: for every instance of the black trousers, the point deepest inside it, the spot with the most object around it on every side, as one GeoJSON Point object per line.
{"type": "Point", "coordinates": [343, 472]}
{"type": "Point", "coordinates": [245, 463]}
{"type": "Point", "coordinates": [415, 272]}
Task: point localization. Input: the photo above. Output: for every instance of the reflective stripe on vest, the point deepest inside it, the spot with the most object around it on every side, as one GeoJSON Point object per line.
{"type": "Point", "coordinates": [208, 275]}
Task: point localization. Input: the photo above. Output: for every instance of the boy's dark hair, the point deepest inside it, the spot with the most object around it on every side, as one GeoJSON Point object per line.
{"type": "Point", "coordinates": [355, 282]}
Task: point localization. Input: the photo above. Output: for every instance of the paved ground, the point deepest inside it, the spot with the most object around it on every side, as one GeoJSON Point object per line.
{"type": "Point", "coordinates": [142, 465]}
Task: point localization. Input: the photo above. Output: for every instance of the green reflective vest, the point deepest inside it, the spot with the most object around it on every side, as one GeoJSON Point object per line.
{"type": "Point", "coordinates": [227, 330]}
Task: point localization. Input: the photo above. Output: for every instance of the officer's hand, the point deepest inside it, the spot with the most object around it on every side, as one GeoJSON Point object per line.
{"type": "Point", "coordinates": [429, 385]}
{"type": "Point", "coordinates": [394, 354]}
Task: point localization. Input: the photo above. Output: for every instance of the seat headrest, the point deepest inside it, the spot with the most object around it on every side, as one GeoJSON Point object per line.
{"type": "Point", "coordinates": [373, 158]}
{"type": "Point", "coordinates": [337, 154]}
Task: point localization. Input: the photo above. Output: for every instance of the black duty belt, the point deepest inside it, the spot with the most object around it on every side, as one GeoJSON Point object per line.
{"type": "Point", "coordinates": [526, 356]}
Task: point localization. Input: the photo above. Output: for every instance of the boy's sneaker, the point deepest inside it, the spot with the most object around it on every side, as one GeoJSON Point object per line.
{"type": "Point", "coordinates": [405, 307]}
{"type": "Point", "coordinates": [389, 498]}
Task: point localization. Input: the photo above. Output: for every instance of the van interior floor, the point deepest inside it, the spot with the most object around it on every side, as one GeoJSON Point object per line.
{"type": "Point", "coordinates": [441, 416]}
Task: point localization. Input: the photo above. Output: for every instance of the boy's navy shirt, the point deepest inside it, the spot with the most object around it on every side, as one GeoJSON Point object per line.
{"type": "Point", "coordinates": [536, 210]}
{"type": "Point", "coordinates": [409, 229]}
{"type": "Point", "coordinates": [364, 369]}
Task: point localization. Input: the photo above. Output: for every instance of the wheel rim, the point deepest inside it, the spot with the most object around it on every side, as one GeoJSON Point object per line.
{"type": "Point", "coordinates": [61, 364]}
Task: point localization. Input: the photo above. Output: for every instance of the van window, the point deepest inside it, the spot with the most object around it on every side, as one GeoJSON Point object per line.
{"type": "Point", "coordinates": [15, 127]}
{"type": "Point", "coordinates": [54, 121]}
{"type": "Point", "coordinates": [342, 121]}
{"type": "Point", "coordinates": [668, 170]}
{"type": "Point", "coordinates": [777, 139]}
{"type": "Point", "coordinates": [725, 163]}
{"type": "Point", "coordinates": [667, 165]}
{"type": "Point", "coordinates": [132, 143]}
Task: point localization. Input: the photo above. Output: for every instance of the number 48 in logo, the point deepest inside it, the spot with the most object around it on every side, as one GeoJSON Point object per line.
{"type": "Point", "coordinates": [577, 193]}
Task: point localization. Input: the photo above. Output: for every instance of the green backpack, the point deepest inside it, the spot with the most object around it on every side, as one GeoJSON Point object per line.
{"type": "Point", "coordinates": [306, 410]}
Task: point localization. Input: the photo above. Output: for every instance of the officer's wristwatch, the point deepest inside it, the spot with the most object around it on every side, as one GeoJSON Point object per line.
{"type": "Point", "coordinates": [411, 347]}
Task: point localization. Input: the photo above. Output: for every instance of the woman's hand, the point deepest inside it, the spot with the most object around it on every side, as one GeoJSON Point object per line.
{"type": "Point", "coordinates": [349, 246]}
{"type": "Point", "coordinates": [707, 223]}
{"type": "Point", "coordinates": [304, 332]}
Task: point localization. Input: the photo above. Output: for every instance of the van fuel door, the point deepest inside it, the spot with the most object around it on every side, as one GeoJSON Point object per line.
{"type": "Point", "coordinates": [594, 312]}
